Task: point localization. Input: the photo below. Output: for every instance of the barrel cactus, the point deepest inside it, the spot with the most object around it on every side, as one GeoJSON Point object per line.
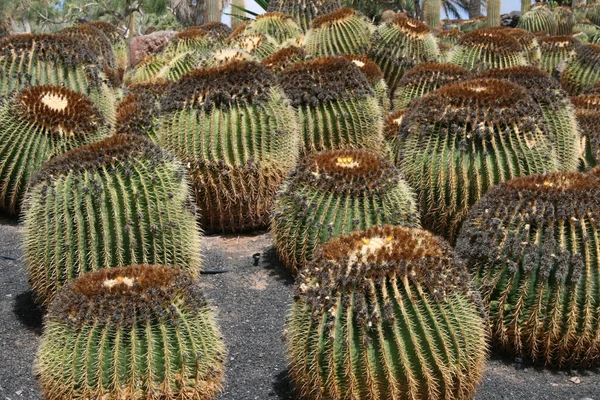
{"type": "Point", "coordinates": [457, 142]}
{"type": "Point", "coordinates": [582, 70]}
{"type": "Point", "coordinates": [120, 47]}
{"type": "Point", "coordinates": [234, 128]}
{"type": "Point", "coordinates": [218, 31]}
{"type": "Point", "coordinates": [138, 112]}
{"type": "Point", "coordinates": [446, 40]}
{"type": "Point", "coordinates": [283, 58]}
{"type": "Point", "coordinates": [334, 193]}
{"type": "Point", "coordinates": [487, 48]}
{"type": "Point", "coordinates": [565, 20]}
{"type": "Point", "coordinates": [555, 105]}
{"type": "Point", "coordinates": [344, 31]}
{"type": "Point", "coordinates": [587, 111]}
{"type": "Point", "coordinates": [401, 44]}
{"type": "Point", "coordinates": [304, 11]}
{"type": "Point", "coordinates": [277, 25]}
{"type": "Point", "coordinates": [539, 19]}
{"type": "Point", "coordinates": [423, 79]}
{"type": "Point", "coordinates": [375, 77]}
{"type": "Point", "coordinates": [529, 41]}
{"type": "Point", "coordinates": [225, 55]}
{"type": "Point", "coordinates": [473, 24]}
{"type": "Point", "coordinates": [39, 123]}
{"type": "Point", "coordinates": [556, 49]}
{"type": "Point", "coordinates": [593, 13]}
{"type": "Point", "coordinates": [94, 39]}
{"type": "Point", "coordinates": [391, 131]}
{"type": "Point", "coordinates": [337, 107]}
{"type": "Point", "coordinates": [133, 332]}
{"type": "Point", "coordinates": [586, 28]}
{"type": "Point", "coordinates": [170, 66]}
{"type": "Point", "coordinates": [258, 45]}
{"type": "Point", "coordinates": [189, 40]}
{"type": "Point", "coordinates": [386, 314]}
{"type": "Point", "coordinates": [531, 243]}
{"type": "Point", "coordinates": [116, 202]}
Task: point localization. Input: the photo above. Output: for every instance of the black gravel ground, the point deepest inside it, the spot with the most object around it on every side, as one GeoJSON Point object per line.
{"type": "Point", "coordinates": [251, 302]}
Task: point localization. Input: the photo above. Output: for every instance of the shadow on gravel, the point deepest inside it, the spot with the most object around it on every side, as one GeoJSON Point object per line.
{"type": "Point", "coordinates": [28, 312]}
{"type": "Point", "coordinates": [283, 387]}
{"type": "Point", "coordinates": [275, 267]}
{"type": "Point", "coordinates": [9, 220]}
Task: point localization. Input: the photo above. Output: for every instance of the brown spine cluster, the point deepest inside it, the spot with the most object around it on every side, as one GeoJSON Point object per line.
{"type": "Point", "coordinates": [283, 58]}
{"type": "Point", "coordinates": [368, 68]}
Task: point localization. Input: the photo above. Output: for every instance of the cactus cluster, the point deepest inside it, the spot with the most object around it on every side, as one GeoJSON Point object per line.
{"type": "Point", "coordinates": [582, 70]}
{"type": "Point", "coordinates": [333, 193]}
{"type": "Point", "coordinates": [385, 313]}
{"type": "Point", "coordinates": [143, 331]}
{"type": "Point", "coordinates": [555, 50]}
{"type": "Point", "coordinates": [587, 111]}
{"type": "Point", "coordinates": [539, 19]}
{"type": "Point", "coordinates": [532, 245]}
{"type": "Point", "coordinates": [116, 202]}
{"type": "Point", "coordinates": [304, 11]}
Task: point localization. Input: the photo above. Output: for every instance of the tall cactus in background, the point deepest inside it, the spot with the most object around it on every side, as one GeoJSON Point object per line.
{"type": "Point", "coordinates": [214, 9]}
{"type": "Point", "coordinates": [431, 13]}
{"type": "Point", "coordinates": [236, 6]}
{"type": "Point", "coordinates": [493, 13]}
{"type": "Point", "coordinates": [525, 5]}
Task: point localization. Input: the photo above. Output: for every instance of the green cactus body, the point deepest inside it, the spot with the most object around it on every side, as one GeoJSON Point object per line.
{"type": "Point", "coordinates": [36, 124]}
{"type": "Point", "coordinates": [488, 48]}
{"type": "Point", "coordinates": [585, 27]}
{"type": "Point", "coordinates": [120, 47]}
{"type": "Point", "coordinates": [256, 44]}
{"type": "Point", "coordinates": [473, 24]}
{"type": "Point", "coordinates": [386, 314]}
{"type": "Point", "coordinates": [277, 25]}
{"type": "Point", "coordinates": [582, 70]}
{"type": "Point", "coordinates": [558, 110]}
{"type": "Point", "coordinates": [344, 31]}
{"type": "Point", "coordinates": [423, 79]}
{"type": "Point", "coordinates": [337, 107]}
{"type": "Point", "coordinates": [556, 49]}
{"type": "Point", "coordinates": [401, 44]}
{"type": "Point", "coordinates": [391, 130]}
{"type": "Point", "coordinates": [457, 142]}
{"type": "Point", "coordinates": [593, 13]}
{"type": "Point", "coordinates": [375, 77]}
{"type": "Point", "coordinates": [218, 31]}
{"type": "Point", "coordinates": [334, 193]}
{"type": "Point", "coordinates": [587, 112]}
{"type": "Point", "coordinates": [565, 20]}
{"type": "Point", "coordinates": [136, 332]}
{"type": "Point", "coordinates": [234, 128]}
{"type": "Point", "coordinates": [539, 19]}
{"type": "Point", "coordinates": [37, 60]}
{"type": "Point", "coordinates": [116, 202]}
{"type": "Point", "coordinates": [284, 58]}
{"type": "Point", "coordinates": [304, 11]}
{"type": "Point", "coordinates": [192, 39]}
{"type": "Point", "coordinates": [158, 67]}
{"type": "Point", "coordinates": [94, 39]}
{"type": "Point", "coordinates": [532, 245]}
{"type": "Point", "coordinates": [446, 40]}
{"type": "Point", "coordinates": [493, 13]}
{"type": "Point", "coordinates": [530, 44]}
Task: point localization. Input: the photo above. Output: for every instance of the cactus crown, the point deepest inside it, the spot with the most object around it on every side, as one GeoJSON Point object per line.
{"type": "Point", "coordinates": [495, 40]}
{"type": "Point", "coordinates": [124, 296]}
{"type": "Point", "coordinates": [550, 42]}
{"type": "Point", "coordinates": [283, 58]}
{"type": "Point", "coordinates": [58, 110]}
{"type": "Point", "coordinates": [409, 26]}
{"type": "Point", "coordinates": [109, 30]}
{"type": "Point", "coordinates": [337, 16]}
{"type": "Point", "coordinates": [49, 47]}
{"type": "Point", "coordinates": [323, 80]}
{"type": "Point", "coordinates": [216, 30]}
{"type": "Point", "coordinates": [441, 73]}
{"type": "Point", "coordinates": [587, 102]}
{"type": "Point", "coordinates": [589, 53]}
{"type": "Point", "coordinates": [367, 67]}
{"type": "Point", "coordinates": [392, 124]}
{"type": "Point", "coordinates": [222, 86]}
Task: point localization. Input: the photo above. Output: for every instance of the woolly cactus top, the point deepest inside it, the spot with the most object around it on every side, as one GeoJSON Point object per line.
{"type": "Point", "coordinates": [367, 67]}
{"type": "Point", "coordinates": [274, 15]}
{"type": "Point", "coordinates": [450, 34]}
{"type": "Point", "coordinates": [587, 102]}
{"type": "Point", "coordinates": [126, 296]}
{"type": "Point", "coordinates": [324, 80]}
{"type": "Point", "coordinates": [60, 111]}
{"type": "Point", "coordinates": [284, 58]}
{"type": "Point", "coordinates": [109, 30]}
{"type": "Point", "coordinates": [334, 17]}
{"type": "Point", "coordinates": [216, 30]}
{"type": "Point", "coordinates": [440, 73]}
{"type": "Point", "coordinates": [409, 26]}
{"type": "Point", "coordinates": [234, 82]}
{"type": "Point", "coordinates": [492, 39]}
{"type": "Point", "coordinates": [391, 127]}
{"type": "Point", "coordinates": [549, 42]}
{"type": "Point", "coordinates": [49, 47]}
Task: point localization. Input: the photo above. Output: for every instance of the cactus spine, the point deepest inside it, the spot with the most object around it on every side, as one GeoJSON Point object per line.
{"type": "Point", "coordinates": [277, 25]}
{"type": "Point", "coordinates": [582, 70]}
{"type": "Point", "coordinates": [539, 19]}
{"type": "Point", "coordinates": [554, 50]}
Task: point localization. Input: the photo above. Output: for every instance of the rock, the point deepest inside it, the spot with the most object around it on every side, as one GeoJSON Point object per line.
{"type": "Point", "coordinates": [511, 19]}
{"type": "Point", "coordinates": [575, 380]}
{"type": "Point", "coordinates": [141, 46]}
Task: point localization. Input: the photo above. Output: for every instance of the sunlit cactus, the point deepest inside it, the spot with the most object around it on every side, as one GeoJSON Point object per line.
{"type": "Point", "coordinates": [446, 40]}
{"type": "Point", "coordinates": [582, 70]}
{"type": "Point", "coordinates": [120, 47]}
{"type": "Point", "coordinates": [112, 203]}
{"type": "Point", "coordinates": [337, 107]}
{"type": "Point", "coordinates": [532, 245]}
{"type": "Point", "coordinates": [423, 79]}
{"type": "Point", "coordinates": [143, 331]}
{"type": "Point", "coordinates": [555, 105]}
{"type": "Point", "coordinates": [565, 20]}
{"type": "Point", "coordinates": [457, 142]}
{"type": "Point", "coordinates": [304, 11]}
{"type": "Point", "coordinates": [334, 193]}
{"type": "Point", "coordinates": [487, 48]}
{"type": "Point", "coordinates": [279, 26]}
{"type": "Point", "coordinates": [539, 18]}
{"type": "Point", "coordinates": [593, 12]}
{"type": "Point", "coordinates": [284, 58]}
{"type": "Point", "coordinates": [587, 112]}
{"type": "Point", "coordinates": [256, 44]}
{"type": "Point", "coordinates": [344, 31]}
{"type": "Point", "coordinates": [375, 77]}
{"type": "Point", "coordinates": [386, 314]}
{"type": "Point", "coordinates": [189, 40]}
{"type": "Point", "coordinates": [401, 44]}
{"type": "Point", "coordinates": [234, 128]}
{"type": "Point", "coordinates": [556, 49]}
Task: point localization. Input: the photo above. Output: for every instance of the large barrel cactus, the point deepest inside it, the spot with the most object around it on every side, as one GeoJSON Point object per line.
{"type": "Point", "coordinates": [337, 107]}
{"type": "Point", "coordinates": [138, 112]}
{"type": "Point", "coordinates": [119, 45]}
{"type": "Point", "coordinates": [446, 40]}
{"type": "Point", "coordinates": [344, 31]}
{"type": "Point", "coordinates": [375, 77]}
{"type": "Point", "coordinates": [36, 124]}
{"type": "Point", "coordinates": [279, 26]}
{"type": "Point", "coordinates": [459, 141]}
{"type": "Point", "coordinates": [234, 128]}
{"type": "Point", "coordinates": [555, 105]}
{"type": "Point", "coordinates": [565, 20]}
{"type": "Point", "coordinates": [93, 39]}
{"type": "Point", "coordinates": [582, 70]}
{"type": "Point", "coordinates": [116, 202]}
{"type": "Point", "coordinates": [532, 245]}
{"type": "Point", "coordinates": [283, 58]}
{"type": "Point", "coordinates": [539, 19]}
{"type": "Point", "coordinates": [587, 111]}
{"type": "Point", "coordinates": [304, 11]}
{"type": "Point", "coordinates": [423, 79]}
{"type": "Point", "coordinates": [386, 314]}
{"type": "Point", "coordinates": [487, 48]}
{"type": "Point", "coordinates": [399, 45]}
{"type": "Point", "coordinates": [334, 193]}
{"type": "Point", "coordinates": [556, 49]}
{"type": "Point", "coordinates": [136, 332]}
{"type": "Point", "coordinates": [529, 41]}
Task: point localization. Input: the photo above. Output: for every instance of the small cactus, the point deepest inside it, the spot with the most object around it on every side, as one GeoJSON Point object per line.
{"type": "Point", "coordinates": [130, 333]}
{"type": "Point", "coordinates": [304, 11]}
{"type": "Point", "coordinates": [386, 314]}
{"type": "Point", "coordinates": [556, 49]}
{"type": "Point", "coordinates": [375, 77]}
{"type": "Point", "coordinates": [539, 18]}
{"type": "Point", "coordinates": [277, 25]}
{"type": "Point", "coordinates": [582, 70]}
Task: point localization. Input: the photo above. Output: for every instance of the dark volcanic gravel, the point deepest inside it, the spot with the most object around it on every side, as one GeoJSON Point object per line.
{"type": "Point", "coordinates": [251, 302]}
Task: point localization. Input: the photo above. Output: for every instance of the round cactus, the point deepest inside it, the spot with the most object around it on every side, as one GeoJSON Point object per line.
{"type": "Point", "coordinates": [236, 131]}
{"type": "Point", "coordinates": [457, 142]}
{"type": "Point", "coordinates": [565, 20]}
{"type": "Point", "coordinates": [375, 77]}
{"type": "Point", "coordinates": [277, 25]}
{"type": "Point", "coordinates": [487, 48]}
{"type": "Point", "coordinates": [530, 44]}
{"type": "Point", "coordinates": [337, 107]}
{"type": "Point", "coordinates": [473, 24]}
{"type": "Point", "coordinates": [386, 314]}
{"type": "Point", "coordinates": [120, 47]}
{"type": "Point", "coordinates": [218, 31]}
{"type": "Point", "coordinates": [587, 111]}
{"type": "Point", "coordinates": [94, 39]}
{"type": "Point", "coordinates": [555, 105]}
{"type": "Point", "coordinates": [304, 11]}
{"type": "Point", "coordinates": [283, 58]}
{"type": "Point", "coordinates": [189, 40]}
{"type": "Point", "coordinates": [129, 333]}
{"type": "Point", "coordinates": [556, 49]}
{"type": "Point", "coordinates": [401, 44]}
{"type": "Point", "coordinates": [586, 28]}
{"type": "Point", "coordinates": [423, 79]}
{"type": "Point", "coordinates": [446, 40]}
{"type": "Point", "coordinates": [170, 66]}
{"type": "Point", "coordinates": [539, 19]}
{"type": "Point", "coordinates": [256, 44]}
{"type": "Point", "coordinates": [37, 124]}
{"type": "Point", "coordinates": [582, 70]}
{"type": "Point", "coordinates": [532, 245]}
{"type": "Point", "coordinates": [117, 202]}
{"type": "Point", "coordinates": [593, 13]}
{"type": "Point", "coordinates": [344, 31]}
{"type": "Point", "coordinates": [334, 193]}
